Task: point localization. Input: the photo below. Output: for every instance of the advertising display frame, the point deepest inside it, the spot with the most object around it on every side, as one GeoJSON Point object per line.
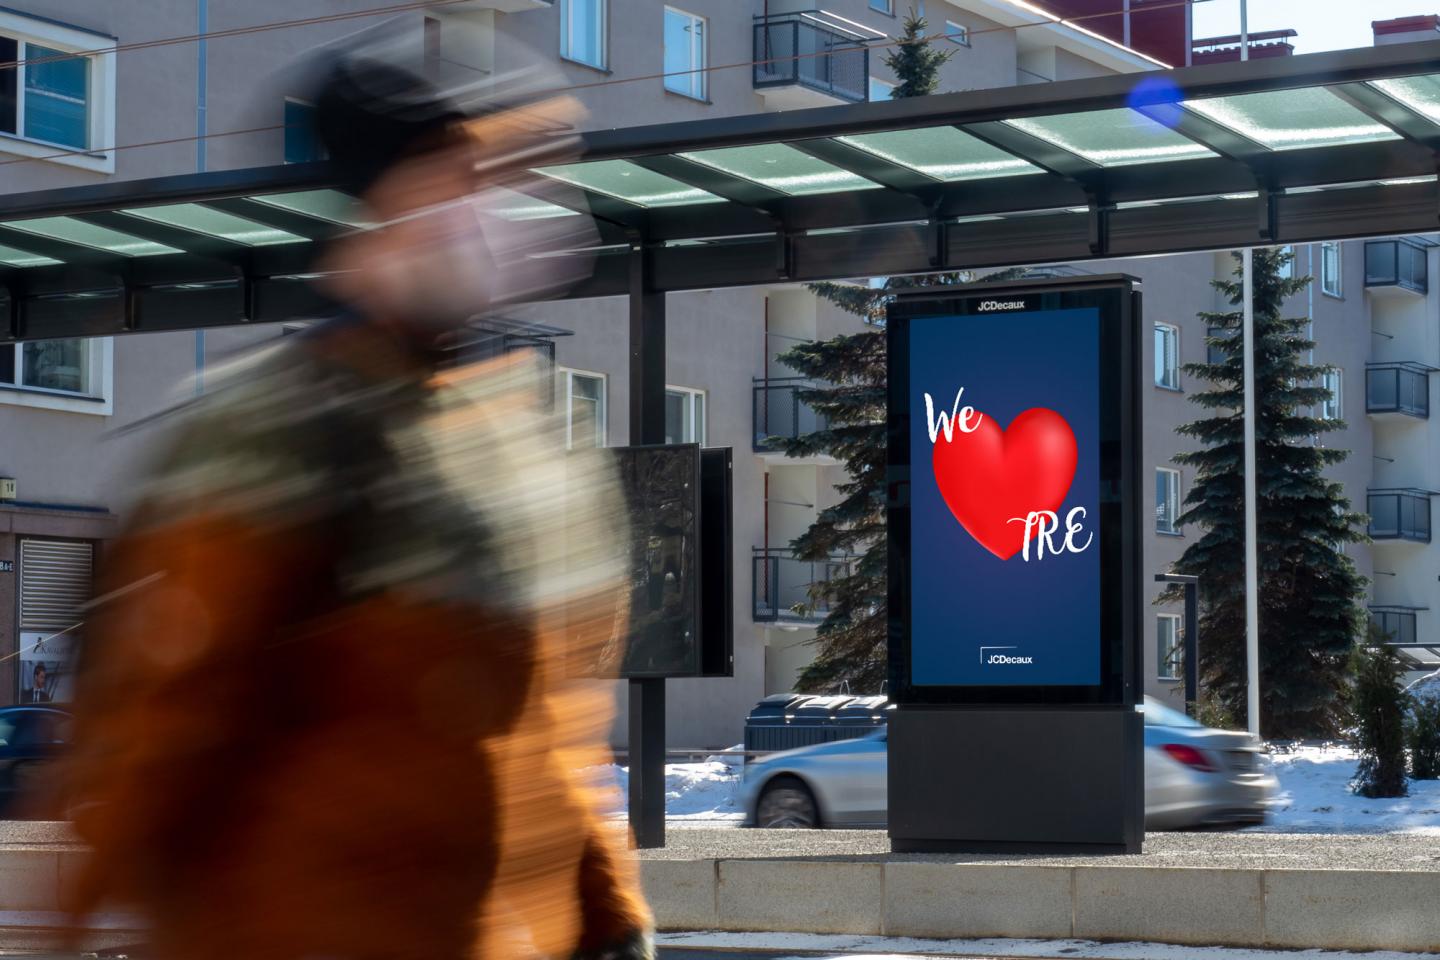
{"type": "Point", "coordinates": [1116, 297]}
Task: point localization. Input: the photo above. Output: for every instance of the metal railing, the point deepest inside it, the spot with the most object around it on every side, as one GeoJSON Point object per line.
{"type": "Point", "coordinates": [778, 412]}
{"type": "Point", "coordinates": [1399, 515]}
{"type": "Point", "coordinates": [1398, 626]}
{"type": "Point", "coordinates": [1397, 263]}
{"type": "Point", "coordinates": [781, 585]}
{"type": "Point", "coordinates": [1397, 388]}
{"type": "Point", "coordinates": [801, 48]}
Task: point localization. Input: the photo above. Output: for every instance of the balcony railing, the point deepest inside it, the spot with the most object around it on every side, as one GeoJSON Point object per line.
{"type": "Point", "coordinates": [1396, 623]}
{"type": "Point", "coordinates": [781, 585]}
{"type": "Point", "coordinates": [1400, 515]}
{"type": "Point", "coordinates": [1397, 263]}
{"type": "Point", "coordinates": [1397, 388]}
{"type": "Point", "coordinates": [779, 414]}
{"type": "Point", "coordinates": [806, 50]}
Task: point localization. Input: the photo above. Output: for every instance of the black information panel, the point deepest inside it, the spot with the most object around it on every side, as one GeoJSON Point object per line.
{"type": "Point", "coordinates": [1013, 520]}
{"type": "Point", "coordinates": [1012, 577]}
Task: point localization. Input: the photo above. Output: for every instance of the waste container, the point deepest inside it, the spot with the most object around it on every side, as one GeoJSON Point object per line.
{"type": "Point", "coordinates": [766, 726]}
{"type": "Point", "coordinates": [866, 712]}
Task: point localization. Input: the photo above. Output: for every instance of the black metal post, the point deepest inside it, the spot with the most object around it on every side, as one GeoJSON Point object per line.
{"type": "Point", "coordinates": [1192, 634]}
{"type": "Point", "coordinates": [647, 425]}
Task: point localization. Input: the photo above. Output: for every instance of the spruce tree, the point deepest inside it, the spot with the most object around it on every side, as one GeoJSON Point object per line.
{"type": "Point", "coordinates": [1310, 616]}
{"type": "Point", "coordinates": [852, 638]}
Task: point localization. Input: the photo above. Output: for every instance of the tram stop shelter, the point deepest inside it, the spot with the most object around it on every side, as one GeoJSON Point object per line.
{"type": "Point", "coordinates": [1274, 151]}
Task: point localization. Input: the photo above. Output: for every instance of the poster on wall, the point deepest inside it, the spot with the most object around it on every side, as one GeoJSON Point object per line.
{"type": "Point", "coordinates": [1006, 412]}
{"type": "Point", "coordinates": [45, 659]}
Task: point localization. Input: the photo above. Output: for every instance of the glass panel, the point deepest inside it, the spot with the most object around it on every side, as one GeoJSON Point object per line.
{"type": "Point", "coordinates": [629, 182]}
{"type": "Point", "coordinates": [699, 402]}
{"type": "Point", "coordinates": [944, 153]}
{"type": "Point", "coordinates": [55, 94]}
{"type": "Point", "coordinates": [214, 223]}
{"type": "Point", "coordinates": [675, 418]}
{"type": "Point", "coordinates": [583, 31]}
{"type": "Point", "coordinates": [330, 205]}
{"type": "Point", "coordinates": [20, 258]}
{"type": "Point", "coordinates": [586, 420]}
{"type": "Point", "coordinates": [1293, 119]}
{"type": "Point", "coordinates": [1384, 515]}
{"type": "Point", "coordinates": [1166, 648]}
{"type": "Point", "coordinates": [880, 90]}
{"type": "Point", "coordinates": [89, 235]}
{"type": "Point", "coordinates": [7, 364]}
{"type": "Point", "coordinates": [781, 167]}
{"type": "Point", "coordinates": [55, 365]}
{"type": "Point", "coordinates": [1421, 94]}
{"type": "Point", "coordinates": [1112, 138]}
{"type": "Point", "coordinates": [511, 205]}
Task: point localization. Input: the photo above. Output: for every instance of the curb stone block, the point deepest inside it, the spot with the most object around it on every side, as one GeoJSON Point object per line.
{"type": "Point", "coordinates": [681, 892]}
{"type": "Point", "coordinates": [1352, 910]}
{"type": "Point", "coordinates": [957, 901]}
{"type": "Point", "coordinates": [801, 896]}
{"type": "Point", "coordinates": [1171, 905]}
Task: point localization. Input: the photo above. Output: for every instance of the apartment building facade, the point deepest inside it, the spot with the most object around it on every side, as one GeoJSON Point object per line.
{"type": "Point", "coordinates": [73, 414]}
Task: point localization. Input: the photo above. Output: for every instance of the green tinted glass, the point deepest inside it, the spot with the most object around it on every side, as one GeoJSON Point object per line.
{"type": "Point", "coordinates": [214, 223]}
{"type": "Point", "coordinates": [1292, 119]}
{"type": "Point", "coordinates": [23, 258]}
{"type": "Point", "coordinates": [331, 205]}
{"type": "Point", "coordinates": [1421, 94]}
{"type": "Point", "coordinates": [944, 153]}
{"type": "Point", "coordinates": [89, 235]}
{"type": "Point", "coordinates": [781, 167]}
{"type": "Point", "coordinates": [1112, 138]}
{"type": "Point", "coordinates": [629, 182]}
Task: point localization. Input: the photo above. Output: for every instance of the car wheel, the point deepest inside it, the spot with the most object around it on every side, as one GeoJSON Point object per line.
{"type": "Point", "coordinates": [787, 803]}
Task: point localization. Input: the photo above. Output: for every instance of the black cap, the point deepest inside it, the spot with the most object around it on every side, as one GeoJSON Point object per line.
{"type": "Point", "coordinates": [370, 114]}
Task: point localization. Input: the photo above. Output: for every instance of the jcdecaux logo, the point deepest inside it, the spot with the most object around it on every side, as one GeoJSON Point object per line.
{"type": "Point", "coordinates": [990, 656]}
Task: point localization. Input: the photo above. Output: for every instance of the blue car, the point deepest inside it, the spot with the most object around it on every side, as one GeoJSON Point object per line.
{"type": "Point", "coordinates": [32, 738]}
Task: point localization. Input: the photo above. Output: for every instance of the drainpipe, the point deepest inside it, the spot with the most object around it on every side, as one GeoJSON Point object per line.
{"type": "Point", "coordinates": [202, 27]}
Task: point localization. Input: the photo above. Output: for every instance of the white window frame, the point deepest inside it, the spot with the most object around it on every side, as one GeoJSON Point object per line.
{"type": "Point", "coordinates": [699, 51]}
{"type": "Point", "coordinates": [1172, 498]}
{"type": "Point", "coordinates": [690, 393]}
{"type": "Point", "coordinates": [100, 376]}
{"type": "Point", "coordinates": [1171, 369]}
{"type": "Point", "coordinates": [1332, 286]}
{"type": "Point", "coordinates": [567, 375]}
{"type": "Point", "coordinates": [876, 82]}
{"type": "Point", "coordinates": [1334, 407]}
{"type": "Point", "coordinates": [567, 33]}
{"type": "Point", "coordinates": [1162, 656]}
{"type": "Point", "coordinates": [99, 156]}
{"type": "Point", "coordinates": [957, 33]}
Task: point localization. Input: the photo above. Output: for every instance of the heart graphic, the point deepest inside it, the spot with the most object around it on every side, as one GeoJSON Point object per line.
{"type": "Point", "coordinates": [990, 476]}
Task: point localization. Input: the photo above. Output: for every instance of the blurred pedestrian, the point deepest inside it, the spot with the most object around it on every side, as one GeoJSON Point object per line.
{"type": "Point", "coordinates": [321, 711]}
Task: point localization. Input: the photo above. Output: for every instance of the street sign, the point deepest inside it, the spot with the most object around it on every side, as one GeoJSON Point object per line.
{"type": "Point", "coordinates": [1014, 567]}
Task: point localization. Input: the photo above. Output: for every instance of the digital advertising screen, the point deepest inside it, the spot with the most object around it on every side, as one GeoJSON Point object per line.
{"type": "Point", "coordinates": [1006, 411]}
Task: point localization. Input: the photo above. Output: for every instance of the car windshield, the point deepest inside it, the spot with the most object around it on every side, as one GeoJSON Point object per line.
{"type": "Point", "coordinates": [1159, 715]}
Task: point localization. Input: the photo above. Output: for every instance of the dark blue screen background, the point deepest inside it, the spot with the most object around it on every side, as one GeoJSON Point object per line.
{"type": "Point", "coordinates": [963, 596]}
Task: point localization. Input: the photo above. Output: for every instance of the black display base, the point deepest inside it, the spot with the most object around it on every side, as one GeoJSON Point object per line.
{"type": "Point", "coordinates": [1019, 780]}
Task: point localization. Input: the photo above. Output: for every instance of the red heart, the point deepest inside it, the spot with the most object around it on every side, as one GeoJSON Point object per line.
{"type": "Point", "coordinates": [991, 475]}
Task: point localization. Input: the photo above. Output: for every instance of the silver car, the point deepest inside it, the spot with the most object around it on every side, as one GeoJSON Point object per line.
{"type": "Point", "coordinates": [1194, 777]}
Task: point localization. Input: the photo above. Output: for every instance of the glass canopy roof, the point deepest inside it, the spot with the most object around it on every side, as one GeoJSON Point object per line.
{"type": "Point", "coordinates": [1119, 152]}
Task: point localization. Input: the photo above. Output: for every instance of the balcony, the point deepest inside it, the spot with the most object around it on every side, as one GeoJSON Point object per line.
{"type": "Point", "coordinates": [1397, 388]}
{"type": "Point", "coordinates": [781, 586]}
{"type": "Point", "coordinates": [1398, 265]}
{"type": "Point", "coordinates": [810, 59]}
{"type": "Point", "coordinates": [1402, 514]}
{"type": "Point", "coordinates": [779, 414]}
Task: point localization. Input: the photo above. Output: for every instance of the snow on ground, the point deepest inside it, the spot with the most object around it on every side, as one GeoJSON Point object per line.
{"type": "Point", "coordinates": [898, 948]}
{"type": "Point", "coordinates": [1315, 797]}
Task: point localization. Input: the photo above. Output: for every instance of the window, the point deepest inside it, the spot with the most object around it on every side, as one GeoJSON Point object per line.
{"type": "Point", "coordinates": [684, 50]}
{"type": "Point", "coordinates": [880, 90]}
{"type": "Point", "coordinates": [1334, 407]}
{"type": "Point", "coordinates": [584, 409]}
{"type": "Point", "coordinates": [1167, 356]}
{"type": "Point", "coordinates": [1215, 353]}
{"type": "Point", "coordinates": [59, 365]}
{"type": "Point", "coordinates": [301, 144]}
{"type": "Point", "coordinates": [684, 415]}
{"type": "Point", "coordinates": [1169, 646]}
{"type": "Point", "coordinates": [582, 31]}
{"type": "Point", "coordinates": [957, 33]}
{"type": "Point", "coordinates": [1330, 269]}
{"type": "Point", "coordinates": [1287, 268]}
{"type": "Point", "coordinates": [1167, 499]}
{"type": "Point", "coordinates": [53, 97]}
{"type": "Point", "coordinates": [884, 6]}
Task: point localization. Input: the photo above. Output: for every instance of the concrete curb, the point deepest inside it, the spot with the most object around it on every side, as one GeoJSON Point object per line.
{"type": "Point", "coordinates": [1305, 909]}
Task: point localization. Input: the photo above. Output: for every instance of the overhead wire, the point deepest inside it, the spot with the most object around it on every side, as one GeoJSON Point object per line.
{"type": "Point", "coordinates": [378, 11]}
